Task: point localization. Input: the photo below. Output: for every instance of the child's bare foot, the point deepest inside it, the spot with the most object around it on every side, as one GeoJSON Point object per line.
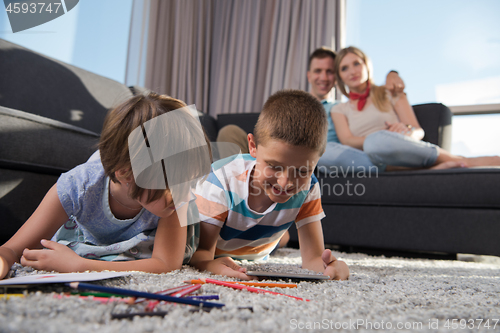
{"type": "Point", "coordinates": [449, 165]}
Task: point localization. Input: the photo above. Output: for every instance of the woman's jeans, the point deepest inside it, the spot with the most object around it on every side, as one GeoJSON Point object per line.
{"type": "Point", "coordinates": [380, 149]}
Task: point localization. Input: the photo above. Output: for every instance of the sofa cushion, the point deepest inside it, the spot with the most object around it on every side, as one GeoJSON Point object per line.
{"type": "Point", "coordinates": [246, 121]}
{"type": "Point", "coordinates": [40, 85]}
{"type": "Point", "coordinates": [210, 126]}
{"type": "Point", "coordinates": [30, 140]}
{"type": "Point", "coordinates": [464, 188]}
{"type": "Point", "coordinates": [34, 150]}
{"type": "Point", "coordinates": [429, 229]}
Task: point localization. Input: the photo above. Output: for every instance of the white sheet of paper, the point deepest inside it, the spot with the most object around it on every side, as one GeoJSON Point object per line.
{"type": "Point", "coordinates": [60, 278]}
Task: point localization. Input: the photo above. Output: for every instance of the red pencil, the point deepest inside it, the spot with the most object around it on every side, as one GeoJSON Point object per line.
{"type": "Point", "coordinates": [169, 291]}
{"type": "Point", "coordinates": [251, 289]}
{"type": "Point", "coordinates": [188, 290]}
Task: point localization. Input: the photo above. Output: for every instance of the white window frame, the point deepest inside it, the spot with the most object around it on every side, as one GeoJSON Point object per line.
{"type": "Point", "coordinates": [463, 110]}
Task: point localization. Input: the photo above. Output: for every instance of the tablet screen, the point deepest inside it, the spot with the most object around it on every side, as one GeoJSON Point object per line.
{"type": "Point", "coordinates": [287, 276]}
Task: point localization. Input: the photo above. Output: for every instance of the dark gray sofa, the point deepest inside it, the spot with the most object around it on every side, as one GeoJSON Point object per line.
{"type": "Point", "coordinates": [51, 114]}
{"type": "Point", "coordinates": [441, 211]}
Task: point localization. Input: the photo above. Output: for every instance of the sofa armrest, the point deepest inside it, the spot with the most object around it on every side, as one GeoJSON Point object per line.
{"type": "Point", "coordinates": [435, 119]}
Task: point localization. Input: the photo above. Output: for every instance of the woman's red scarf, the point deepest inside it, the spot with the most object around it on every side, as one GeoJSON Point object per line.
{"type": "Point", "coordinates": [361, 97]}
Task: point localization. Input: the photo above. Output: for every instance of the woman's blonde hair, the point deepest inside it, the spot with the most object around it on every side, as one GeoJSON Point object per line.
{"type": "Point", "coordinates": [378, 94]}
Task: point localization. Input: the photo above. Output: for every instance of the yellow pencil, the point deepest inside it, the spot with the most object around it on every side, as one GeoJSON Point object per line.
{"type": "Point", "coordinates": [7, 296]}
{"type": "Point", "coordinates": [253, 284]}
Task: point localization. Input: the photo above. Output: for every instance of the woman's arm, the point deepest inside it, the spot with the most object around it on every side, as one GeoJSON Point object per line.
{"type": "Point", "coordinates": [344, 133]}
{"type": "Point", "coordinates": [407, 120]}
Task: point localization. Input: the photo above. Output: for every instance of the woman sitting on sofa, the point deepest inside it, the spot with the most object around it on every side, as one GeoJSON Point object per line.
{"type": "Point", "coordinates": [384, 126]}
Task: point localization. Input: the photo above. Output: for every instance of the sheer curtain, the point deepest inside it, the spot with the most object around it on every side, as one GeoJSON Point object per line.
{"type": "Point", "coordinates": [229, 56]}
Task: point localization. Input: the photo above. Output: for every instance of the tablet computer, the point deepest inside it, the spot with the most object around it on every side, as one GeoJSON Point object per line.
{"type": "Point", "coordinates": [287, 276]}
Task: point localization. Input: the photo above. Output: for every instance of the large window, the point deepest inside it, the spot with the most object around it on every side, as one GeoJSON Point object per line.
{"type": "Point", "coordinates": [446, 51]}
{"type": "Point", "coordinates": [93, 35]}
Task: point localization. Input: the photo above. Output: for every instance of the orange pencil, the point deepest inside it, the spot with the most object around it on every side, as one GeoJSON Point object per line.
{"type": "Point", "coordinates": [253, 284]}
{"type": "Point", "coordinates": [248, 288]}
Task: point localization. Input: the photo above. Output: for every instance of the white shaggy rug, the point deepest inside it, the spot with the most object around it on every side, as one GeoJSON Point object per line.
{"type": "Point", "coordinates": [383, 294]}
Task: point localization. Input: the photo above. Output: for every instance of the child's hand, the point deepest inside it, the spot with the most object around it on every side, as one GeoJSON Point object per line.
{"type": "Point", "coordinates": [4, 267]}
{"type": "Point", "coordinates": [335, 269]}
{"type": "Point", "coordinates": [226, 266]}
{"type": "Point", "coordinates": [56, 257]}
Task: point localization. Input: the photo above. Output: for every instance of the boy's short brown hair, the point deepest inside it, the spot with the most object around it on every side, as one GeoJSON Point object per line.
{"type": "Point", "coordinates": [294, 117]}
{"type": "Point", "coordinates": [119, 124]}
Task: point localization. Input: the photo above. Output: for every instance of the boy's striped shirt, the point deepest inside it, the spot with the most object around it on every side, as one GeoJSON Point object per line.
{"type": "Point", "coordinates": [222, 200]}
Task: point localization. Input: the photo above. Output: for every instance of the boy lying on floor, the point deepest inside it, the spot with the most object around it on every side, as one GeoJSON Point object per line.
{"type": "Point", "coordinates": [249, 201]}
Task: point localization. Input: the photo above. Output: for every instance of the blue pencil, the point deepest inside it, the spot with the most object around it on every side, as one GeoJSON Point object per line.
{"type": "Point", "coordinates": [203, 297]}
{"type": "Point", "coordinates": [133, 293]}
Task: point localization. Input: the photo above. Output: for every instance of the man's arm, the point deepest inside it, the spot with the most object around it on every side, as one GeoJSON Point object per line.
{"type": "Point", "coordinates": [315, 257]}
{"type": "Point", "coordinates": [203, 258]}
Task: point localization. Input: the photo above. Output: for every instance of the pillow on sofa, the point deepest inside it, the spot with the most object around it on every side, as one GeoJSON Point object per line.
{"type": "Point", "coordinates": [34, 150]}
{"type": "Point", "coordinates": [37, 84]}
{"type": "Point", "coordinates": [29, 139]}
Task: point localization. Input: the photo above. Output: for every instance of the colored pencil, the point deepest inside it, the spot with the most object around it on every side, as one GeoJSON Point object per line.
{"type": "Point", "coordinates": [152, 304]}
{"type": "Point", "coordinates": [187, 290]}
{"type": "Point", "coordinates": [84, 293]}
{"type": "Point", "coordinates": [140, 314]}
{"type": "Point", "coordinates": [251, 289]}
{"type": "Point", "coordinates": [168, 291]}
{"type": "Point", "coordinates": [103, 300]}
{"type": "Point", "coordinates": [7, 296]}
{"type": "Point", "coordinates": [254, 284]}
{"type": "Point", "coordinates": [134, 293]}
{"type": "Point", "coordinates": [216, 297]}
